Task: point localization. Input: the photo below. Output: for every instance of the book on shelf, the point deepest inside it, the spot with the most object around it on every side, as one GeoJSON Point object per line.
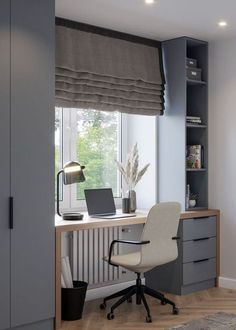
{"type": "Point", "coordinates": [192, 117]}
{"type": "Point", "coordinates": [194, 156]}
{"type": "Point", "coordinates": [193, 120]}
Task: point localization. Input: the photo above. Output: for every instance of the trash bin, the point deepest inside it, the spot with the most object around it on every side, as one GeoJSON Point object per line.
{"type": "Point", "coordinates": [72, 300]}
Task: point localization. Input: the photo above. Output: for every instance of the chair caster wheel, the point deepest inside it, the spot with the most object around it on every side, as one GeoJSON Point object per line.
{"type": "Point", "coordinates": [129, 300]}
{"type": "Point", "coordinates": [148, 319]}
{"type": "Point", "coordinates": [163, 302]}
{"type": "Point", "coordinates": [110, 316]}
{"type": "Point", "coordinates": [103, 306]}
{"type": "Point", "coordinates": [175, 311]}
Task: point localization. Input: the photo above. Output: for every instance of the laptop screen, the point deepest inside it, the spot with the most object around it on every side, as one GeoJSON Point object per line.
{"type": "Point", "coordinates": [100, 201]}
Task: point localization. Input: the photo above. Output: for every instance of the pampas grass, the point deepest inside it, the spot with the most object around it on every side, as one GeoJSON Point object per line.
{"type": "Point", "coordinates": [130, 171]}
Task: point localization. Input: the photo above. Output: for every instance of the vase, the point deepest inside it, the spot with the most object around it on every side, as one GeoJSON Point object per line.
{"type": "Point", "coordinates": [192, 203]}
{"type": "Point", "coordinates": [132, 196]}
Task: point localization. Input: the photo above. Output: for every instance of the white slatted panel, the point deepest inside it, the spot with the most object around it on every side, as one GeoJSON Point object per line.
{"type": "Point", "coordinates": [87, 250]}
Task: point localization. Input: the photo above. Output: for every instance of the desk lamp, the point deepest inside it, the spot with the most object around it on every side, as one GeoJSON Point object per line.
{"type": "Point", "coordinates": [72, 173]}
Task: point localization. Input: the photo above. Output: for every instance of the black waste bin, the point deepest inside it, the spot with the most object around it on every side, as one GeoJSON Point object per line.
{"type": "Point", "coordinates": [72, 301]}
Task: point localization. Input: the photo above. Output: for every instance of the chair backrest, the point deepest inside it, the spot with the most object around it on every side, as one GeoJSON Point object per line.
{"type": "Point", "coordinates": [162, 224]}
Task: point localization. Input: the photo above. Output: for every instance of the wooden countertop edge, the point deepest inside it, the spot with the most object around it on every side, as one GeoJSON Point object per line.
{"type": "Point", "coordinates": [199, 214]}
{"type": "Point", "coordinates": [140, 219]}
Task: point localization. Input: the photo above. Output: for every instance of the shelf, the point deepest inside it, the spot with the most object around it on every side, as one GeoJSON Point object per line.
{"type": "Point", "coordinates": [196, 126]}
{"type": "Point", "coordinates": [197, 208]}
{"type": "Point", "coordinates": [195, 82]}
{"type": "Point", "coordinates": [196, 169]}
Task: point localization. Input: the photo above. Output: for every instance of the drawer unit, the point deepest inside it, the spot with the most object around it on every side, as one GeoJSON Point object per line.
{"type": "Point", "coordinates": [194, 73]}
{"type": "Point", "coordinates": [198, 271]}
{"type": "Point", "coordinates": [195, 267]}
{"type": "Point", "coordinates": [198, 228]}
{"type": "Point", "coordinates": [199, 249]}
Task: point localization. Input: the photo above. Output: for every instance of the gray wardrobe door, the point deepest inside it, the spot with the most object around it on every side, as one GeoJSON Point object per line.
{"type": "Point", "coordinates": [32, 160]}
{"type": "Point", "coordinates": [4, 163]}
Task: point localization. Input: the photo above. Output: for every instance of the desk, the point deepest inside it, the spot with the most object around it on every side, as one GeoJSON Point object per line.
{"type": "Point", "coordinates": [88, 223]}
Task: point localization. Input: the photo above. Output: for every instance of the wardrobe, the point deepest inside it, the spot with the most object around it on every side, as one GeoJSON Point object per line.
{"type": "Point", "coordinates": [27, 164]}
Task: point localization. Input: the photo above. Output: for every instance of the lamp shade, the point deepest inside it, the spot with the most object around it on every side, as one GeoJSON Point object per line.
{"type": "Point", "coordinates": [73, 173]}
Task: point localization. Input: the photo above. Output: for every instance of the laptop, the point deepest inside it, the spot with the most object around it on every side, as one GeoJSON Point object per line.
{"type": "Point", "coordinates": [100, 204]}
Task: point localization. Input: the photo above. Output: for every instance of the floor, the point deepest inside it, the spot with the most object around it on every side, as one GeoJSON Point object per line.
{"type": "Point", "coordinates": [130, 316]}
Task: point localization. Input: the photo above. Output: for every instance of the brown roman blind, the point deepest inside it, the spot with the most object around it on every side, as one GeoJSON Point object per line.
{"type": "Point", "coordinates": [95, 70]}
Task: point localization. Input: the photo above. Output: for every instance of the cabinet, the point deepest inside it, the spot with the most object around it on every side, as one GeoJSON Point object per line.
{"type": "Point", "coordinates": [184, 98]}
{"type": "Point", "coordinates": [27, 164]}
{"type": "Point", "coordinates": [196, 266]}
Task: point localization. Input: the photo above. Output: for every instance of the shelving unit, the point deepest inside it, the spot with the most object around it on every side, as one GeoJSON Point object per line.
{"type": "Point", "coordinates": [184, 97]}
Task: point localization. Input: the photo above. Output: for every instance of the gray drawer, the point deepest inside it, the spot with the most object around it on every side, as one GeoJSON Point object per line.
{"type": "Point", "coordinates": [194, 272]}
{"type": "Point", "coordinates": [199, 228]}
{"type": "Point", "coordinates": [199, 249]}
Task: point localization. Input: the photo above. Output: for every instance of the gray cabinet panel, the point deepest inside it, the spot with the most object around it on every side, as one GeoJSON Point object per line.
{"type": "Point", "coordinates": [32, 161]}
{"type": "Point", "coordinates": [197, 250]}
{"type": "Point", "coordinates": [4, 163]}
{"type": "Point", "coordinates": [199, 228]}
{"type": "Point", "coordinates": [200, 271]}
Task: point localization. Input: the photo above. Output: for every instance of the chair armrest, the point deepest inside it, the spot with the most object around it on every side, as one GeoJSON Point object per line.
{"type": "Point", "coordinates": [123, 242]}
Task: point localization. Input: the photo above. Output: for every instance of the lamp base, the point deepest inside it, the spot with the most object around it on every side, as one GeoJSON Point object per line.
{"type": "Point", "coordinates": [72, 216]}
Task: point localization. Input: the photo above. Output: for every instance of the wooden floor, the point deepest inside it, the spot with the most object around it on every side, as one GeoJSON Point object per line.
{"type": "Point", "coordinates": [130, 316]}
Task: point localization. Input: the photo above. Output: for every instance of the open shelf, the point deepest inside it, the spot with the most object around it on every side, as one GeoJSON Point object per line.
{"type": "Point", "coordinates": [195, 169]}
{"type": "Point", "coordinates": [185, 98]}
{"type": "Point", "coordinates": [196, 126]}
{"type": "Point", "coordinates": [197, 208]}
{"type": "Point", "coordinates": [195, 82]}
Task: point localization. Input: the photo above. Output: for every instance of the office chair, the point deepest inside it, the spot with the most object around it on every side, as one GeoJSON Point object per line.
{"type": "Point", "coordinates": [158, 246]}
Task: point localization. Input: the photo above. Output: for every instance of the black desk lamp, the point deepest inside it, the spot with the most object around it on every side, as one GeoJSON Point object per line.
{"type": "Point", "coordinates": [72, 173]}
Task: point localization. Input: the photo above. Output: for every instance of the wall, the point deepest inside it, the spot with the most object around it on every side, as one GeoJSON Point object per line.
{"type": "Point", "coordinates": [143, 130]}
{"type": "Point", "coordinates": [222, 151]}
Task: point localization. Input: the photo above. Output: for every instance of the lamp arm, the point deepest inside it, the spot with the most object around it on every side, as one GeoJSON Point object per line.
{"type": "Point", "coordinates": [58, 191]}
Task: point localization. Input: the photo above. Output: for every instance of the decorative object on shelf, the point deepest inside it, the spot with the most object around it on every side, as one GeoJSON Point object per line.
{"type": "Point", "coordinates": [132, 175]}
{"type": "Point", "coordinates": [192, 200]}
{"type": "Point", "coordinates": [194, 157]}
{"type": "Point", "coordinates": [72, 173]}
{"type": "Point", "coordinates": [187, 196]}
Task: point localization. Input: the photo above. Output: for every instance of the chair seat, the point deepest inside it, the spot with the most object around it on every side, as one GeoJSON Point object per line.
{"type": "Point", "coordinates": [128, 261]}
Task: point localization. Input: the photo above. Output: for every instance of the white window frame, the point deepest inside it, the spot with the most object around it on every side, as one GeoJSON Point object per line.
{"type": "Point", "coordinates": [69, 202]}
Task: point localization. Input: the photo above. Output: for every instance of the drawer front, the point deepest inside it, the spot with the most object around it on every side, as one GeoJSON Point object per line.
{"type": "Point", "coordinates": [199, 249]}
{"type": "Point", "coordinates": [199, 228]}
{"type": "Point", "coordinates": [194, 272]}
{"type": "Point", "coordinates": [194, 73]}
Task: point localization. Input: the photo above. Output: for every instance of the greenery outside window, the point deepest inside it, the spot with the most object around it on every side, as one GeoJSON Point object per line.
{"type": "Point", "coordinates": [95, 139]}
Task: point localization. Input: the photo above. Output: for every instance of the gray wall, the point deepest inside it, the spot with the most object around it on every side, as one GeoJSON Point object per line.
{"type": "Point", "coordinates": [222, 151]}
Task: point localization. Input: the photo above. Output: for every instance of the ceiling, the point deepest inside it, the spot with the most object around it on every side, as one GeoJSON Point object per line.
{"type": "Point", "coordinates": [162, 20]}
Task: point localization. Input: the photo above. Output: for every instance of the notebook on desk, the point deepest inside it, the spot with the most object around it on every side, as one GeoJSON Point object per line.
{"type": "Point", "coordinates": [100, 204]}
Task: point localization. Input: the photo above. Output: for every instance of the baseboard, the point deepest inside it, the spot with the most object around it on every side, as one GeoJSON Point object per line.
{"type": "Point", "coordinates": [109, 289]}
{"type": "Point", "coordinates": [227, 283]}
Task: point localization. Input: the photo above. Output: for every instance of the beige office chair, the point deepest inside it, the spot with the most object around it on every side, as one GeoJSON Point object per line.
{"type": "Point", "coordinates": [158, 246]}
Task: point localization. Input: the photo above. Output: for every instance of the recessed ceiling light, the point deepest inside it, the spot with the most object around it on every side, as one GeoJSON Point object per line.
{"type": "Point", "coordinates": [149, 2]}
{"type": "Point", "coordinates": [222, 23]}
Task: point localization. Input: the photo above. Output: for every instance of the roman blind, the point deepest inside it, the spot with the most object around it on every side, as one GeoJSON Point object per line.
{"type": "Point", "coordinates": [97, 71]}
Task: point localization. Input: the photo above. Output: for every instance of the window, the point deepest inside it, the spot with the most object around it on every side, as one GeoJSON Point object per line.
{"type": "Point", "coordinates": [94, 138]}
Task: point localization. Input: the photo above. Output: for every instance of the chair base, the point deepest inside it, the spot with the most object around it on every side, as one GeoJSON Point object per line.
{"type": "Point", "coordinates": [139, 290]}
